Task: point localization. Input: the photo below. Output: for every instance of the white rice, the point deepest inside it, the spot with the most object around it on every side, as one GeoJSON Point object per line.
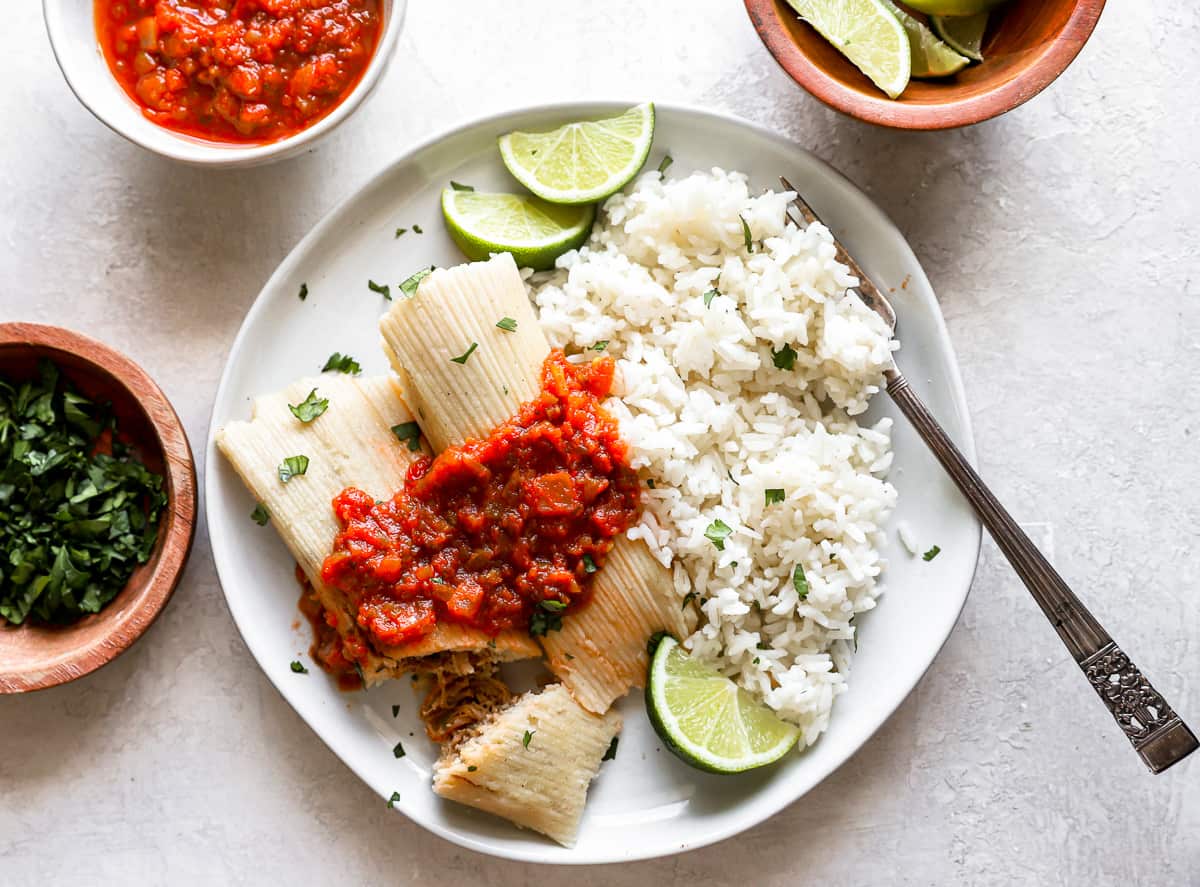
{"type": "Point", "coordinates": [715, 423]}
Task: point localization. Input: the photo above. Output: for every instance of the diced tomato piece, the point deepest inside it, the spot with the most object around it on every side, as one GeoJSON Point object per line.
{"type": "Point", "coordinates": [396, 622]}
{"type": "Point", "coordinates": [553, 494]}
{"type": "Point", "coordinates": [464, 604]}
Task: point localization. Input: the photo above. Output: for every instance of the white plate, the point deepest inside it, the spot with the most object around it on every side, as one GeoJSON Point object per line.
{"type": "Point", "coordinates": [645, 803]}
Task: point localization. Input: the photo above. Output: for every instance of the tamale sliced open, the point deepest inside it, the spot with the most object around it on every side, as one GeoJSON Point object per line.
{"type": "Point", "coordinates": [530, 762]}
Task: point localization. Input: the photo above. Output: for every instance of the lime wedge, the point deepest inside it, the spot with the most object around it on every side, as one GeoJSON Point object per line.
{"type": "Point", "coordinates": [867, 33]}
{"type": "Point", "coordinates": [962, 33]}
{"type": "Point", "coordinates": [930, 56]}
{"type": "Point", "coordinates": [953, 7]}
{"type": "Point", "coordinates": [708, 720]}
{"type": "Point", "coordinates": [534, 231]}
{"type": "Point", "coordinates": [581, 162]}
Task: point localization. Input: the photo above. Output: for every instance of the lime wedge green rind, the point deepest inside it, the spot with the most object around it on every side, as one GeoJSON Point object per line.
{"type": "Point", "coordinates": [533, 231]}
{"type": "Point", "coordinates": [930, 56]}
{"type": "Point", "coordinates": [866, 32]}
{"type": "Point", "coordinates": [707, 720]}
{"type": "Point", "coordinates": [581, 162]}
{"type": "Point", "coordinates": [962, 34]}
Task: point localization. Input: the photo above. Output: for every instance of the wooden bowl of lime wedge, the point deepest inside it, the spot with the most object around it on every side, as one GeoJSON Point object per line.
{"type": "Point", "coordinates": [97, 505]}
{"type": "Point", "coordinates": [924, 64]}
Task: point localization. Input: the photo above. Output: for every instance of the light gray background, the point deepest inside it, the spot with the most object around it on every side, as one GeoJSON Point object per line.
{"type": "Point", "coordinates": [1061, 242]}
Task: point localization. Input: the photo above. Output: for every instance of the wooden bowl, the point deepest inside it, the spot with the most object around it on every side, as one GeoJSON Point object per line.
{"type": "Point", "coordinates": [1028, 44]}
{"type": "Point", "coordinates": [33, 657]}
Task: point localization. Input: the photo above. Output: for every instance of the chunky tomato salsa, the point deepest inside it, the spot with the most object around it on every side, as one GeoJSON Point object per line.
{"type": "Point", "coordinates": [238, 70]}
{"type": "Point", "coordinates": [500, 533]}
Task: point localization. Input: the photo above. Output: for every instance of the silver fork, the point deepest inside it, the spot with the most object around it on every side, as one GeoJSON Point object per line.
{"type": "Point", "coordinates": [1158, 734]}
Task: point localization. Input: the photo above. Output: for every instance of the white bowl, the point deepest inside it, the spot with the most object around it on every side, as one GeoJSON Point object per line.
{"type": "Point", "coordinates": [72, 29]}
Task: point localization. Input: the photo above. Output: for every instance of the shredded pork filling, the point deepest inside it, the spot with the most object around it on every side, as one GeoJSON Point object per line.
{"type": "Point", "coordinates": [463, 690]}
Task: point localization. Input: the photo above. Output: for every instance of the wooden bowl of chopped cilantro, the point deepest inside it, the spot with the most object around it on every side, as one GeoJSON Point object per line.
{"type": "Point", "coordinates": [97, 505]}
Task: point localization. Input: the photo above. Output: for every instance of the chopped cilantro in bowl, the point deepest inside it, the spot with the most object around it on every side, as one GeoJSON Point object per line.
{"type": "Point", "coordinates": [78, 511]}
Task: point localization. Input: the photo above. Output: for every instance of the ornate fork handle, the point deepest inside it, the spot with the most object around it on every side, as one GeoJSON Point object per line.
{"type": "Point", "coordinates": [1157, 733]}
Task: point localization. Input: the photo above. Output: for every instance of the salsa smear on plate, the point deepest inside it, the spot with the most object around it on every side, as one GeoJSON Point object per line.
{"type": "Point", "coordinates": [499, 533]}
{"type": "Point", "coordinates": [244, 71]}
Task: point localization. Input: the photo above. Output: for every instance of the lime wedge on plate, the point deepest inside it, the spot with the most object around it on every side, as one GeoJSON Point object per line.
{"type": "Point", "coordinates": [534, 231]}
{"type": "Point", "coordinates": [962, 33]}
{"type": "Point", "coordinates": [867, 33]}
{"type": "Point", "coordinates": [930, 56]}
{"type": "Point", "coordinates": [581, 162]}
{"type": "Point", "coordinates": [708, 720]}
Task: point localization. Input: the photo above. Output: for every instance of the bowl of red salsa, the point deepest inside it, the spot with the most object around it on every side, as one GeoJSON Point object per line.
{"type": "Point", "coordinates": [223, 82]}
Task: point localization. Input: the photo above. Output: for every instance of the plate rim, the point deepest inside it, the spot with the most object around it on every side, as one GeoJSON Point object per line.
{"type": "Point", "coordinates": [570, 109]}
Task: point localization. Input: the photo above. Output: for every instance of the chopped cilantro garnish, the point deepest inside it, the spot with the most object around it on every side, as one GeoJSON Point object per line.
{"type": "Point", "coordinates": [611, 754]}
{"type": "Point", "coordinates": [932, 553]}
{"type": "Point", "coordinates": [527, 737]}
{"type": "Point", "coordinates": [800, 582]}
{"type": "Point", "coordinates": [762, 645]}
{"type": "Point", "coordinates": [746, 234]}
{"type": "Point", "coordinates": [716, 533]}
{"type": "Point", "coordinates": [398, 751]}
{"type": "Point", "coordinates": [400, 232]}
{"type": "Point", "coordinates": [260, 515]}
{"type": "Point", "coordinates": [341, 363]}
{"type": "Point", "coordinates": [410, 284]}
{"type": "Point", "coordinates": [309, 408]}
{"type": "Point", "coordinates": [650, 483]}
{"type": "Point", "coordinates": [589, 565]}
{"type": "Point", "coordinates": [601, 345]}
{"type": "Point", "coordinates": [507, 324]}
{"type": "Point", "coordinates": [709, 296]}
{"type": "Point", "coordinates": [773, 497]}
{"type": "Point", "coordinates": [395, 711]}
{"type": "Point", "coordinates": [410, 433]}
{"type": "Point", "coordinates": [298, 667]}
{"type": "Point", "coordinates": [382, 288]}
{"type": "Point", "coordinates": [784, 358]}
{"type": "Point", "coordinates": [417, 229]}
{"type": "Point", "coordinates": [460, 187]}
{"type": "Point", "coordinates": [665, 163]}
{"type": "Point", "coordinates": [393, 799]}
{"type": "Point", "coordinates": [303, 292]}
{"type": "Point", "coordinates": [471, 768]}
{"type": "Point", "coordinates": [546, 618]}
{"type": "Point", "coordinates": [466, 355]}
{"type": "Point", "coordinates": [687, 599]}
{"type": "Point", "coordinates": [78, 512]}
{"type": "Point", "coordinates": [292, 466]}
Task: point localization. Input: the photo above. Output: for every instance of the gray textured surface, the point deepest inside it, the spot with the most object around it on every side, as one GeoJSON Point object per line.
{"type": "Point", "coordinates": [1060, 240]}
